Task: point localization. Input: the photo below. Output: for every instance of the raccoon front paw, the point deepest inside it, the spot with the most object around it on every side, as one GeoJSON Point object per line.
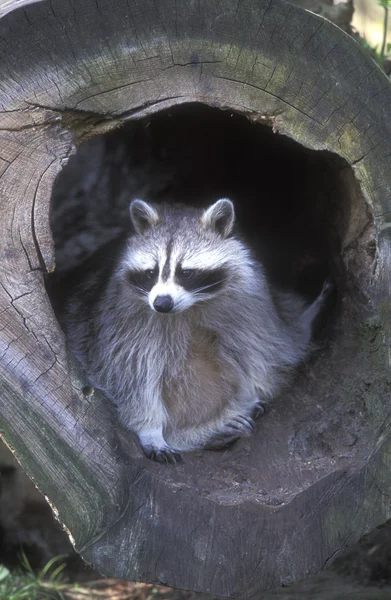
{"type": "Point", "coordinates": [238, 427]}
{"type": "Point", "coordinates": [163, 455]}
{"type": "Point", "coordinates": [244, 425]}
{"type": "Point", "coordinates": [221, 442]}
{"type": "Point", "coordinates": [260, 409]}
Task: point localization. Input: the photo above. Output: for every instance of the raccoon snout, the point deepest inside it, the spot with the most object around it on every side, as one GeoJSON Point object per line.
{"type": "Point", "coordinates": [163, 304]}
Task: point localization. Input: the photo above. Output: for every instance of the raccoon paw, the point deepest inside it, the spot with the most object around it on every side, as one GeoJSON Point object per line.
{"type": "Point", "coordinates": [163, 455]}
{"type": "Point", "coordinates": [221, 442]}
{"type": "Point", "coordinates": [241, 424]}
{"type": "Point", "coordinates": [260, 409]}
{"type": "Point", "coordinates": [232, 431]}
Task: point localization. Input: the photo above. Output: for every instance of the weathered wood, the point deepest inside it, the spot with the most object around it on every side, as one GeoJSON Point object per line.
{"type": "Point", "coordinates": [73, 68]}
{"type": "Point", "coordinates": [7, 6]}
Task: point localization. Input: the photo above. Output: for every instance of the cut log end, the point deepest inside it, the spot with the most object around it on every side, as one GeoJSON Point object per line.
{"type": "Point", "coordinates": [314, 476]}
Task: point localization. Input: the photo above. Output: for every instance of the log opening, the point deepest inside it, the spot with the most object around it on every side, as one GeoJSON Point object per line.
{"type": "Point", "coordinates": [303, 212]}
{"type": "Point", "coordinates": [315, 477]}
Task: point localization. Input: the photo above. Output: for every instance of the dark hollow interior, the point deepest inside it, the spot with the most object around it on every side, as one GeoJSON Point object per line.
{"type": "Point", "coordinates": [303, 213]}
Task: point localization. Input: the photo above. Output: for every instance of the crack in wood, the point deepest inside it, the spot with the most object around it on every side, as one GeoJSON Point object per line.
{"type": "Point", "coordinates": [108, 91]}
{"type": "Point", "coordinates": [103, 493]}
{"type": "Point", "coordinates": [245, 83]}
{"type": "Point", "coordinates": [33, 231]}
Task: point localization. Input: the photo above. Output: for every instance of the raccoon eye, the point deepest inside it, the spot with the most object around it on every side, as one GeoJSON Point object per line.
{"type": "Point", "coordinates": [187, 273]}
{"type": "Point", "coordinates": [150, 273]}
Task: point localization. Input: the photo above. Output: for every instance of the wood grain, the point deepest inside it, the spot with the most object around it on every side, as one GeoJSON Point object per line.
{"type": "Point", "coordinates": [73, 68]}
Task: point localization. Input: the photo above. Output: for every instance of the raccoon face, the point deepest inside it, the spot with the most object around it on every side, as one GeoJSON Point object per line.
{"type": "Point", "coordinates": [178, 256]}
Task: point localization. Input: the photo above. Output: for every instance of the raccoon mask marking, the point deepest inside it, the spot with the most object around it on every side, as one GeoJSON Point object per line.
{"type": "Point", "coordinates": [173, 270]}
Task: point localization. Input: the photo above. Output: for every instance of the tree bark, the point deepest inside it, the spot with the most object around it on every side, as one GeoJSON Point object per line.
{"type": "Point", "coordinates": [71, 69]}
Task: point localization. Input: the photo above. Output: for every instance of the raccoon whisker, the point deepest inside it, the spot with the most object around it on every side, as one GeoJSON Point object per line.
{"type": "Point", "coordinates": [201, 279]}
{"type": "Point", "coordinates": [140, 289]}
{"type": "Point", "coordinates": [205, 287]}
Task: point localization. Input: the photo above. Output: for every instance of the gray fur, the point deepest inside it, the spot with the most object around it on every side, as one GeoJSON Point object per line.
{"type": "Point", "coordinates": [188, 379]}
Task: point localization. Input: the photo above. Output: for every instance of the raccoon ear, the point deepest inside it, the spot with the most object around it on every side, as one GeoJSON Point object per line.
{"type": "Point", "coordinates": [142, 215]}
{"type": "Point", "coordinates": [219, 217]}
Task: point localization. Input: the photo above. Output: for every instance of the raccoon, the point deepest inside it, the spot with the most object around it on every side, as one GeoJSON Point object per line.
{"type": "Point", "coordinates": [186, 335]}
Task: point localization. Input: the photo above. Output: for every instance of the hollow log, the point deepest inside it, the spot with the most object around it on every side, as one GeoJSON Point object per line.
{"type": "Point", "coordinates": [316, 475]}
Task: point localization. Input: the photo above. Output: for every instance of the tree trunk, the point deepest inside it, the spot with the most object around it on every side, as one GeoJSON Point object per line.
{"type": "Point", "coordinates": [316, 475]}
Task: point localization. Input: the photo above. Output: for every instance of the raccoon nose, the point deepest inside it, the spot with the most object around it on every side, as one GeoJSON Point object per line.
{"type": "Point", "coordinates": [163, 304]}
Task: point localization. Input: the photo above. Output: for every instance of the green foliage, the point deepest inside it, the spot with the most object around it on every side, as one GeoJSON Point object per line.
{"type": "Point", "coordinates": [374, 51]}
{"type": "Point", "coordinates": [384, 4]}
{"type": "Point", "coordinates": [50, 584]}
{"type": "Point", "coordinates": [381, 52]}
{"type": "Point", "coordinates": [26, 584]}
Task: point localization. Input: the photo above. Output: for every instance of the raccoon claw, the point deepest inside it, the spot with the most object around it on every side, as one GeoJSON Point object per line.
{"type": "Point", "coordinates": [164, 456]}
{"type": "Point", "coordinates": [239, 427]}
{"type": "Point", "coordinates": [221, 442]}
{"type": "Point", "coordinates": [260, 409]}
{"type": "Point", "coordinates": [240, 424]}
